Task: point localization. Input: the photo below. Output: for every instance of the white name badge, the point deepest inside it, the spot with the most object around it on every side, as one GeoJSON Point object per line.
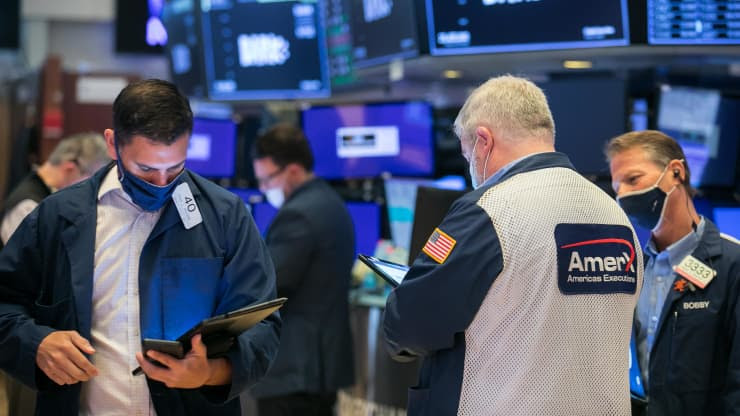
{"type": "Point", "coordinates": [186, 206]}
{"type": "Point", "coordinates": [695, 271]}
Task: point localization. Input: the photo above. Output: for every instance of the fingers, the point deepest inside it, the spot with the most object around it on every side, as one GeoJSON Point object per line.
{"type": "Point", "coordinates": [197, 345]}
{"type": "Point", "coordinates": [60, 357]}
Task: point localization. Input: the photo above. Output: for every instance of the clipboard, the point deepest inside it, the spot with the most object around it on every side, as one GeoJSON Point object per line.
{"type": "Point", "coordinates": [393, 273]}
{"type": "Point", "coordinates": [218, 332]}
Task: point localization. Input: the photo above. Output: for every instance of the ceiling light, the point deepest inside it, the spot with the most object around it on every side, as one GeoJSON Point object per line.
{"type": "Point", "coordinates": [573, 64]}
{"type": "Point", "coordinates": [452, 74]}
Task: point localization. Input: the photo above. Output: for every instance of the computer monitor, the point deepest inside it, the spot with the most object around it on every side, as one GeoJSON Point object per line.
{"type": "Point", "coordinates": [432, 205]}
{"type": "Point", "coordinates": [366, 219]}
{"type": "Point", "coordinates": [383, 30]}
{"type": "Point", "coordinates": [256, 50]}
{"type": "Point", "coordinates": [183, 49]}
{"type": "Point", "coordinates": [728, 220]}
{"type": "Point", "coordinates": [401, 198]}
{"type": "Point", "coordinates": [211, 150]}
{"type": "Point", "coordinates": [582, 128]}
{"type": "Point", "coordinates": [485, 26]}
{"type": "Point", "coordinates": [358, 141]}
{"type": "Point", "coordinates": [10, 19]}
{"type": "Point", "coordinates": [705, 124]}
{"type": "Point", "coordinates": [709, 22]}
{"type": "Point", "coordinates": [139, 28]}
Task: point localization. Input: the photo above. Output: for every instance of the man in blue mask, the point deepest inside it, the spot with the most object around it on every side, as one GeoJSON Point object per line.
{"type": "Point", "coordinates": [142, 249]}
{"type": "Point", "coordinates": [687, 321]}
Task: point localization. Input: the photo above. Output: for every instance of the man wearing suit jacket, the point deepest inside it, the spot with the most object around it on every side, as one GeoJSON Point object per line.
{"type": "Point", "coordinates": [311, 241]}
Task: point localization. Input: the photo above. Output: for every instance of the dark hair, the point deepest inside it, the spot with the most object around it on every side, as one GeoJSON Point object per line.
{"type": "Point", "coordinates": [285, 144]}
{"type": "Point", "coordinates": [152, 108]}
{"type": "Point", "coordinates": [660, 148]}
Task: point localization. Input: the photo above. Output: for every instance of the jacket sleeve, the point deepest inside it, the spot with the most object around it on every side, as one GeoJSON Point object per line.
{"type": "Point", "coordinates": [249, 277]}
{"type": "Point", "coordinates": [291, 245]}
{"type": "Point", "coordinates": [732, 390]}
{"type": "Point", "coordinates": [20, 283]}
{"type": "Point", "coordinates": [437, 300]}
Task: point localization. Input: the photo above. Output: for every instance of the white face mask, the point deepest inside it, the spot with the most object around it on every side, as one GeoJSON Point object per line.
{"type": "Point", "coordinates": [473, 173]}
{"type": "Point", "coordinates": [276, 197]}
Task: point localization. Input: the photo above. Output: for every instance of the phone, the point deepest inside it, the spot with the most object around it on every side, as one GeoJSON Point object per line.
{"type": "Point", "coordinates": [173, 348]}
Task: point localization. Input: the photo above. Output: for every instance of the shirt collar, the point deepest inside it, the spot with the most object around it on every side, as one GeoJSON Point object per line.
{"type": "Point", "coordinates": [681, 248]}
{"type": "Point", "coordinates": [110, 183]}
{"type": "Point", "coordinates": [501, 172]}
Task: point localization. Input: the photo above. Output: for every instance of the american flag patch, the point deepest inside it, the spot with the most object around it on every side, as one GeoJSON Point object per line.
{"type": "Point", "coordinates": [439, 246]}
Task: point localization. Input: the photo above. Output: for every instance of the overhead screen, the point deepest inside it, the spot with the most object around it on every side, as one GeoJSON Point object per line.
{"type": "Point", "coordinates": [264, 50]}
{"type": "Point", "coordinates": [138, 26]}
{"type": "Point", "coordinates": [705, 124]}
{"type": "Point", "coordinates": [212, 147]}
{"type": "Point", "coordinates": [383, 30]}
{"type": "Point", "coordinates": [483, 26]}
{"type": "Point", "coordinates": [693, 22]}
{"type": "Point", "coordinates": [359, 141]}
{"type": "Point", "coordinates": [10, 24]}
{"type": "Point", "coordinates": [183, 49]}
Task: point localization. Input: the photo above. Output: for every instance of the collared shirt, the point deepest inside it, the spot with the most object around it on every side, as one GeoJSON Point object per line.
{"type": "Point", "coordinates": [121, 231]}
{"type": "Point", "coordinates": [659, 277]}
{"type": "Point", "coordinates": [502, 171]}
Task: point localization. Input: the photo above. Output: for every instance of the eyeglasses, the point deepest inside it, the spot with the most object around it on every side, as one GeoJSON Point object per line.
{"type": "Point", "coordinates": [266, 180]}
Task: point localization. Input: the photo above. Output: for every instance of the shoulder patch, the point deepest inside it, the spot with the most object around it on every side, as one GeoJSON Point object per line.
{"type": "Point", "coordinates": [439, 246]}
{"type": "Point", "coordinates": [595, 258]}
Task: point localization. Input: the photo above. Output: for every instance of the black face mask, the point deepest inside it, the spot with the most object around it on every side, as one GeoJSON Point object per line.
{"type": "Point", "coordinates": [645, 207]}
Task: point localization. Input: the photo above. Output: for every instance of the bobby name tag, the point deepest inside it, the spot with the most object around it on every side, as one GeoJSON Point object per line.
{"type": "Point", "coordinates": [695, 271]}
{"type": "Point", "coordinates": [186, 206]}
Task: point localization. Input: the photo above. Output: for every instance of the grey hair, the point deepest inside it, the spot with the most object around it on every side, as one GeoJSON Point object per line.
{"type": "Point", "coordinates": [514, 106]}
{"type": "Point", "coordinates": [87, 150]}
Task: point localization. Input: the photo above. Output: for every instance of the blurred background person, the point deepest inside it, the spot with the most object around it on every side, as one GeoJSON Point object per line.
{"type": "Point", "coordinates": [311, 241]}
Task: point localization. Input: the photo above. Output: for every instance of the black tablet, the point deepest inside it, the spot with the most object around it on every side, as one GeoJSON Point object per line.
{"type": "Point", "coordinates": [393, 273]}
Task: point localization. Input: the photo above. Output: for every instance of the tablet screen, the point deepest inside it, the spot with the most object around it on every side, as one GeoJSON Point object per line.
{"type": "Point", "coordinates": [392, 272]}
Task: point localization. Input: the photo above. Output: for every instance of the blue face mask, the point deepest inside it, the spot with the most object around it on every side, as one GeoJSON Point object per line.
{"type": "Point", "coordinates": [645, 207]}
{"type": "Point", "coordinates": [148, 196]}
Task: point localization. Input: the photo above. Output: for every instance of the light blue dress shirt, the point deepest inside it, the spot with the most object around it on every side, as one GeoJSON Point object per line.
{"type": "Point", "coordinates": [658, 281]}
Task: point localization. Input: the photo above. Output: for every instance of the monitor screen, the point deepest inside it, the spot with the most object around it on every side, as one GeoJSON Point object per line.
{"type": "Point", "coordinates": [211, 150]}
{"type": "Point", "coordinates": [183, 49]}
{"type": "Point", "coordinates": [582, 128]}
{"type": "Point", "coordinates": [383, 30]}
{"type": "Point", "coordinates": [356, 141]}
{"type": "Point", "coordinates": [138, 26]}
{"type": "Point", "coordinates": [705, 125]}
{"type": "Point", "coordinates": [728, 220]}
{"type": "Point", "coordinates": [706, 22]}
{"type": "Point", "coordinates": [10, 18]}
{"type": "Point", "coordinates": [484, 26]}
{"type": "Point", "coordinates": [257, 50]}
{"type": "Point", "coordinates": [366, 218]}
{"type": "Point", "coordinates": [400, 200]}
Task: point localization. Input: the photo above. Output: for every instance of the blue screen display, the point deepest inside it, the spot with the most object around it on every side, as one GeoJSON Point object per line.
{"type": "Point", "coordinates": [212, 147]}
{"type": "Point", "coordinates": [356, 141]}
{"type": "Point", "coordinates": [728, 220]}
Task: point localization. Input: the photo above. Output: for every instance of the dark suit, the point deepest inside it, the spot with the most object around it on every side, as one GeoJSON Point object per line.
{"type": "Point", "coordinates": [311, 241]}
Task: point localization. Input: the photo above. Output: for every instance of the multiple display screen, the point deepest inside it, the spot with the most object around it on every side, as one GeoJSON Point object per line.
{"type": "Point", "coordinates": [485, 26]}
{"type": "Point", "coordinates": [383, 30]}
{"type": "Point", "coordinates": [184, 50]}
{"type": "Point", "coordinates": [357, 141]}
{"type": "Point", "coordinates": [264, 50]}
{"type": "Point", "coordinates": [693, 22]}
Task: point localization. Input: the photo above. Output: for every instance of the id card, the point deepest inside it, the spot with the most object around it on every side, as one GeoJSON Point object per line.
{"type": "Point", "coordinates": [186, 206]}
{"type": "Point", "coordinates": [695, 271]}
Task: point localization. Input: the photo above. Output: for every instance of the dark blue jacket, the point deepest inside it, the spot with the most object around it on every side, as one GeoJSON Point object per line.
{"type": "Point", "coordinates": [46, 284]}
{"type": "Point", "coordinates": [695, 361]}
{"type": "Point", "coordinates": [311, 241]}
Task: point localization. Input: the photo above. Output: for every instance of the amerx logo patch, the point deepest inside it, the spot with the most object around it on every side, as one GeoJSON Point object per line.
{"type": "Point", "coordinates": [595, 258]}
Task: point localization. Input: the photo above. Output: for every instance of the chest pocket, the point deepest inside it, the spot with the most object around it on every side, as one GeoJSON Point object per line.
{"type": "Point", "coordinates": [190, 288]}
{"type": "Point", "coordinates": [693, 345]}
